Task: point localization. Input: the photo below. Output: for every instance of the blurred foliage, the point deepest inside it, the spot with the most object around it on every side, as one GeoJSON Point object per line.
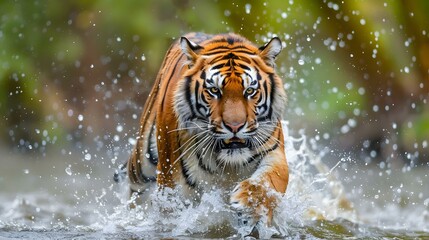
{"type": "Point", "coordinates": [78, 72]}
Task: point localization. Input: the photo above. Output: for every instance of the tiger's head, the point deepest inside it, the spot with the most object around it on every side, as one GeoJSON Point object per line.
{"type": "Point", "coordinates": [230, 99]}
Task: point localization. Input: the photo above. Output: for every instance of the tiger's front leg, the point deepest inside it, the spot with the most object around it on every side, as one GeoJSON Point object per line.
{"type": "Point", "coordinates": [258, 195]}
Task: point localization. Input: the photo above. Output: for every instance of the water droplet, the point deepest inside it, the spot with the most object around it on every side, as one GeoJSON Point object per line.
{"type": "Point", "coordinates": [247, 8]}
{"type": "Point", "coordinates": [352, 122]}
{"type": "Point", "coordinates": [345, 129]}
{"type": "Point", "coordinates": [349, 85]}
{"type": "Point", "coordinates": [132, 141]}
{"type": "Point", "coordinates": [87, 156]}
{"type": "Point", "coordinates": [406, 69]}
{"type": "Point", "coordinates": [68, 170]}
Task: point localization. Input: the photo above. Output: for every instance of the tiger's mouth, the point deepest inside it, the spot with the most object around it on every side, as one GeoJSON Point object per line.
{"type": "Point", "coordinates": [234, 143]}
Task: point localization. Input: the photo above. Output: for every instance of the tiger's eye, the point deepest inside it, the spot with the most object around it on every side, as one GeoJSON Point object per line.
{"type": "Point", "coordinates": [250, 91]}
{"type": "Point", "coordinates": [214, 90]}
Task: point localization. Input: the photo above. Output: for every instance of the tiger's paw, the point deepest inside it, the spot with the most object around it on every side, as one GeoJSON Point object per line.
{"type": "Point", "coordinates": [253, 202]}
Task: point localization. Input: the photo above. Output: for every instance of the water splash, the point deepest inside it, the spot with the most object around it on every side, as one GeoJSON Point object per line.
{"type": "Point", "coordinates": [313, 193]}
{"type": "Point", "coordinates": [316, 204]}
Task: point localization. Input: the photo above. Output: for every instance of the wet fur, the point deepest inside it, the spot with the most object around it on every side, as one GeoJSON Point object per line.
{"type": "Point", "coordinates": [178, 144]}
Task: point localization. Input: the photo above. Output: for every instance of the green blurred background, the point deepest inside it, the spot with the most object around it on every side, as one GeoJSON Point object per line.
{"type": "Point", "coordinates": [74, 75]}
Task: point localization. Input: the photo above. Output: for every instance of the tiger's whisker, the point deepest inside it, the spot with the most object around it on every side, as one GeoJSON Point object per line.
{"type": "Point", "coordinates": [183, 129]}
{"type": "Point", "coordinates": [189, 141]}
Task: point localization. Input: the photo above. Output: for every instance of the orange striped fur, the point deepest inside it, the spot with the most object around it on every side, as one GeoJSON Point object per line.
{"type": "Point", "coordinates": [213, 120]}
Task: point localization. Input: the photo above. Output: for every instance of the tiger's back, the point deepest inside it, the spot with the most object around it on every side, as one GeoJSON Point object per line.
{"type": "Point", "coordinates": [141, 167]}
{"type": "Point", "coordinates": [212, 119]}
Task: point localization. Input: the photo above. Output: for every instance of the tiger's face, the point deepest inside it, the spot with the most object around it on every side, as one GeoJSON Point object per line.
{"type": "Point", "coordinates": [234, 106]}
{"type": "Point", "coordinates": [230, 100]}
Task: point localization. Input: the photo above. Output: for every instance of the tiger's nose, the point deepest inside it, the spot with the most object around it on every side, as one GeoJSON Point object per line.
{"type": "Point", "coordinates": [234, 126]}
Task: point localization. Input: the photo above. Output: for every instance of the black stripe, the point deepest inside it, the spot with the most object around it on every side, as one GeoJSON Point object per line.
{"type": "Point", "coordinates": [188, 96]}
{"type": "Point", "coordinates": [229, 48]}
{"type": "Point", "coordinates": [230, 56]}
{"type": "Point", "coordinates": [263, 119]}
{"type": "Point", "coordinates": [220, 50]}
{"type": "Point", "coordinates": [234, 48]}
{"type": "Point", "coordinates": [245, 52]}
{"type": "Point", "coordinates": [215, 74]}
{"type": "Point", "coordinates": [244, 67]}
{"type": "Point", "coordinates": [273, 92]}
{"type": "Point", "coordinates": [147, 179]}
{"type": "Point", "coordinates": [185, 172]}
{"type": "Point", "coordinates": [150, 149]}
{"type": "Point", "coordinates": [198, 105]}
{"type": "Point", "coordinates": [216, 59]}
{"type": "Point", "coordinates": [258, 75]}
{"type": "Point", "coordinates": [264, 105]}
{"type": "Point", "coordinates": [259, 100]}
{"type": "Point", "coordinates": [261, 155]}
{"type": "Point", "coordinates": [202, 165]}
{"type": "Point", "coordinates": [217, 66]}
{"type": "Point", "coordinates": [203, 75]}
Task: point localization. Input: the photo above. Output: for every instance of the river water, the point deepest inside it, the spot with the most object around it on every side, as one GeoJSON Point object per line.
{"type": "Point", "coordinates": [68, 195]}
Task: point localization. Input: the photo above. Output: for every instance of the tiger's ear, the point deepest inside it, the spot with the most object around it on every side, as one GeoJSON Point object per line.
{"type": "Point", "coordinates": [269, 51]}
{"type": "Point", "coordinates": [190, 49]}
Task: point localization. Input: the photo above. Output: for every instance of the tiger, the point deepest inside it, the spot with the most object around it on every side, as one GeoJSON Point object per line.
{"type": "Point", "coordinates": [213, 119]}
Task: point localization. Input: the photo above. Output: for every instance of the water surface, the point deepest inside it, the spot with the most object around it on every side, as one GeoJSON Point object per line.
{"type": "Point", "coordinates": [63, 195]}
